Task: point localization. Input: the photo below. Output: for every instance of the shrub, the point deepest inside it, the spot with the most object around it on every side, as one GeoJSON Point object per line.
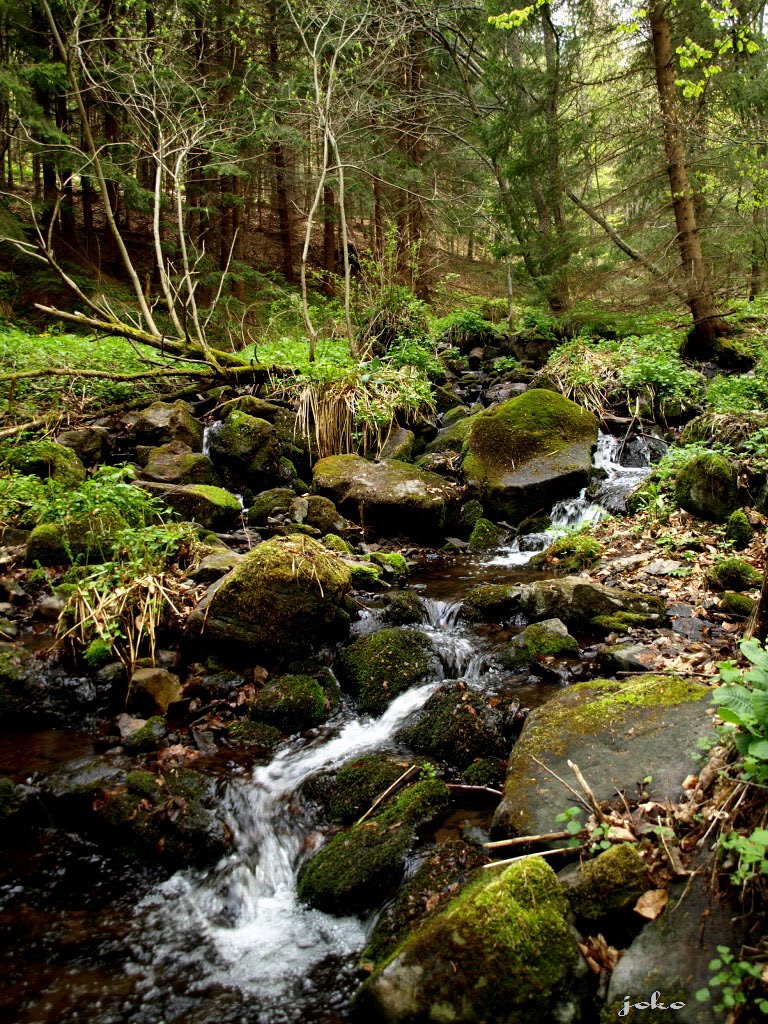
{"type": "Point", "coordinates": [737, 393]}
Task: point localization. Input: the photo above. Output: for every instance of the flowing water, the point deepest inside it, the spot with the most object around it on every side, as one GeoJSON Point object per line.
{"type": "Point", "coordinates": [233, 944]}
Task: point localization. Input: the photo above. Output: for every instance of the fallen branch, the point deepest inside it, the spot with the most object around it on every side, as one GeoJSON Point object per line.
{"type": "Point", "coordinates": [476, 789]}
{"type": "Point", "coordinates": [539, 853]}
{"type": "Point", "coordinates": [588, 793]}
{"type": "Point", "coordinates": [584, 803]}
{"type": "Point", "coordinates": [521, 840]}
{"type": "Point", "coordinates": [409, 771]}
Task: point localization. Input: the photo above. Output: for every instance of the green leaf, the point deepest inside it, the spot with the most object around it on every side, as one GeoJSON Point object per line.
{"type": "Point", "coordinates": [702, 995]}
{"type": "Point", "coordinates": [758, 749]}
{"type": "Point", "coordinates": [760, 706]}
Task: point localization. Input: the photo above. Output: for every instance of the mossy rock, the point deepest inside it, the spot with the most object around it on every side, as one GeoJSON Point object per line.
{"type": "Point", "coordinates": [291, 704]}
{"type": "Point", "coordinates": [255, 736]}
{"type": "Point", "coordinates": [471, 513]}
{"type": "Point", "coordinates": [502, 950]}
{"type": "Point", "coordinates": [621, 622]}
{"type": "Point", "coordinates": [434, 883]}
{"type": "Point", "coordinates": [275, 501]}
{"type": "Point", "coordinates": [322, 514]}
{"type": "Point", "coordinates": [486, 536]}
{"type": "Point", "coordinates": [48, 461]}
{"type": "Point", "coordinates": [608, 884]}
{"type": "Point", "coordinates": [380, 666]}
{"type": "Point", "coordinates": [707, 487]}
{"type": "Point", "coordinates": [148, 737]}
{"type": "Point", "coordinates": [391, 496]}
{"type": "Point", "coordinates": [246, 451]}
{"type": "Point", "coordinates": [528, 452]}
{"type": "Point", "coordinates": [487, 771]}
{"type": "Point", "coordinates": [162, 422]}
{"type": "Point", "coordinates": [541, 639]}
{"type": "Point", "coordinates": [399, 445]}
{"type": "Point", "coordinates": [569, 554]}
{"type": "Point", "coordinates": [90, 540]}
{"type": "Point", "coordinates": [404, 609]}
{"type": "Point", "coordinates": [618, 732]}
{"type": "Point", "coordinates": [176, 463]}
{"type": "Point", "coordinates": [364, 574]}
{"type": "Point", "coordinates": [214, 508]}
{"type": "Point", "coordinates": [457, 725]}
{"type": "Point", "coordinates": [578, 600]}
{"type": "Point", "coordinates": [253, 406]}
{"type": "Point", "coordinates": [394, 566]}
{"type": "Point", "coordinates": [338, 544]}
{"type": "Point", "coordinates": [738, 605]}
{"type": "Point", "coordinates": [491, 602]}
{"type": "Point", "coordinates": [451, 416]}
{"type": "Point", "coordinates": [733, 574]}
{"type": "Point", "coordinates": [738, 529]}
{"type": "Point", "coordinates": [348, 793]}
{"type": "Point", "coordinates": [730, 429]}
{"type": "Point", "coordinates": [360, 866]}
{"type": "Point", "coordinates": [154, 689]}
{"type": "Point", "coordinates": [285, 598]}
{"type": "Point", "coordinates": [452, 437]}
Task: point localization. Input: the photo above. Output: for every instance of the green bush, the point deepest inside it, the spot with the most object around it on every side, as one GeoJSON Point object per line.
{"type": "Point", "coordinates": [743, 393]}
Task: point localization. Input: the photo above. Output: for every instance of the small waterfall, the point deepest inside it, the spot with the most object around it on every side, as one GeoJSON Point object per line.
{"type": "Point", "coordinates": [240, 925]}
{"type": "Point", "coordinates": [622, 466]}
{"type": "Point", "coordinates": [441, 614]}
{"type": "Point", "coordinates": [208, 431]}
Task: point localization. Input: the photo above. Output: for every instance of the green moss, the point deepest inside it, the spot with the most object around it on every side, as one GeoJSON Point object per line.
{"type": "Point", "coordinates": [11, 799]}
{"type": "Point", "coordinates": [291, 703]}
{"type": "Point", "coordinates": [570, 554]}
{"type": "Point", "coordinates": [83, 540]}
{"type": "Point", "coordinates": [471, 512]}
{"type": "Point", "coordinates": [47, 460]}
{"type": "Point", "coordinates": [537, 640]}
{"type": "Point", "coordinates": [707, 486]}
{"type": "Point", "coordinates": [335, 543]}
{"type": "Point", "coordinates": [738, 529]}
{"type": "Point", "coordinates": [612, 882]}
{"type": "Point", "coordinates": [452, 437]}
{"type": "Point", "coordinates": [488, 771]}
{"type": "Point", "coordinates": [347, 794]}
{"type": "Point", "coordinates": [739, 605]}
{"type": "Point", "coordinates": [491, 602]}
{"type": "Point", "coordinates": [254, 734]}
{"type": "Point", "coordinates": [404, 609]}
{"type": "Point", "coordinates": [270, 503]}
{"type": "Point", "coordinates": [364, 575]}
{"type": "Point", "coordinates": [394, 565]}
{"type": "Point", "coordinates": [622, 622]}
{"type": "Point", "coordinates": [378, 667]}
{"type": "Point", "coordinates": [457, 725]}
{"type": "Point", "coordinates": [148, 736]}
{"type": "Point", "coordinates": [143, 784]}
{"type": "Point", "coordinates": [216, 496]}
{"type": "Point", "coordinates": [502, 950]}
{"type": "Point", "coordinates": [733, 574]}
{"type": "Point", "coordinates": [359, 866]}
{"type": "Point", "coordinates": [97, 653]}
{"type": "Point", "coordinates": [485, 536]}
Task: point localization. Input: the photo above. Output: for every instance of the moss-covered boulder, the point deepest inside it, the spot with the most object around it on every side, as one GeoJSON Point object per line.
{"type": "Point", "coordinates": [399, 445]}
{"type": "Point", "coordinates": [569, 554]}
{"type": "Point", "coordinates": [162, 422]}
{"type": "Point", "coordinates": [21, 682]}
{"type": "Point", "coordinates": [452, 437]}
{"type": "Point", "coordinates": [608, 884]}
{"type": "Point", "coordinates": [578, 601]}
{"type": "Point", "coordinates": [272, 502]}
{"type": "Point", "coordinates": [486, 536]}
{"type": "Point", "coordinates": [731, 428]}
{"type": "Point", "coordinates": [707, 487]}
{"type": "Point", "coordinates": [617, 732]}
{"type": "Point", "coordinates": [318, 512]}
{"type": "Point", "coordinates": [549, 638]}
{"type": "Point", "coordinates": [345, 795]}
{"type": "Point", "coordinates": [212, 507]}
{"type": "Point", "coordinates": [733, 574]}
{"type": "Point", "coordinates": [502, 950]}
{"type": "Point", "coordinates": [434, 883]}
{"type": "Point", "coordinates": [491, 602]}
{"type": "Point", "coordinates": [740, 606]}
{"type": "Point", "coordinates": [391, 496]}
{"type": "Point", "coordinates": [338, 544]}
{"type": "Point", "coordinates": [458, 725]}
{"type": "Point", "coordinates": [215, 566]}
{"type": "Point", "coordinates": [529, 452]}
{"type": "Point", "coordinates": [487, 771]}
{"type": "Point", "coordinates": [358, 867]}
{"type": "Point", "coordinates": [147, 737]}
{"type": "Point", "coordinates": [89, 443]}
{"type": "Point", "coordinates": [738, 529]}
{"type": "Point", "coordinates": [246, 452]}
{"type": "Point", "coordinates": [380, 666]}
{"type": "Point", "coordinates": [46, 460]}
{"type": "Point", "coordinates": [90, 540]}
{"type": "Point", "coordinates": [285, 598]}
{"type": "Point", "coordinates": [291, 703]}
{"type": "Point", "coordinates": [256, 737]}
{"type": "Point", "coordinates": [404, 608]}
{"type": "Point", "coordinates": [393, 565]}
{"type": "Point", "coordinates": [176, 463]}
{"type": "Point", "coordinates": [153, 689]}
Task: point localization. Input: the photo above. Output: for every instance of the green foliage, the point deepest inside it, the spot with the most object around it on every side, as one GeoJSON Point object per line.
{"type": "Point", "coordinates": [737, 393]}
{"type": "Point", "coordinates": [465, 328]}
{"type": "Point", "coordinates": [741, 700]}
{"type": "Point", "coordinates": [735, 979]}
{"type": "Point", "coordinates": [506, 364]}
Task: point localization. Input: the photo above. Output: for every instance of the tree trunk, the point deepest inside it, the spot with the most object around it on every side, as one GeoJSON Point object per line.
{"type": "Point", "coordinates": [707, 324]}
{"type": "Point", "coordinates": [329, 241]}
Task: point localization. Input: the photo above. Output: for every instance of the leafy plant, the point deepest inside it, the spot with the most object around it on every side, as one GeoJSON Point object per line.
{"type": "Point", "coordinates": [737, 393]}
{"type": "Point", "coordinates": [735, 979]}
{"type": "Point", "coordinates": [742, 704]}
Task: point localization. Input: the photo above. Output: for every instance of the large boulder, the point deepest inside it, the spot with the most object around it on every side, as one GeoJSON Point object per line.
{"type": "Point", "coordinates": [89, 443]}
{"type": "Point", "coordinates": [46, 460]}
{"type": "Point", "coordinates": [618, 733]}
{"type": "Point", "coordinates": [246, 451]}
{"type": "Point", "coordinates": [391, 496]}
{"type": "Point", "coordinates": [707, 487]}
{"type": "Point", "coordinates": [380, 666]}
{"type": "Point", "coordinates": [211, 507]}
{"type": "Point", "coordinates": [501, 951]}
{"type": "Point", "coordinates": [285, 597]}
{"type": "Point", "coordinates": [83, 539]}
{"type": "Point", "coordinates": [176, 463]}
{"type": "Point", "coordinates": [162, 422]}
{"type": "Point", "coordinates": [579, 601]}
{"type": "Point", "coordinates": [529, 452]}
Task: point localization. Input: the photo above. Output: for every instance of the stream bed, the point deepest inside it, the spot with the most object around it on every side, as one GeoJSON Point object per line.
{"type": "Point", "coordinates": [90, 937]}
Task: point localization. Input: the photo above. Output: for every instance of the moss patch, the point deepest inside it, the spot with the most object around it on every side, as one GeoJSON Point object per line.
{"type": "Point", "coordinates": [47, 460]}
{"type": "Point", "coordinates": [611, 882]}
{"type": "Point", "coordinates": [738, 529]}
{"type": "Point", "coordinates": [378, 667]}
{"type": "Point", "coordinates": [291, 703]}
{"type": "Point", "coordinates": [404, 609]}
{"type": "Point", "coordinates": [485, 536]}
{"type": "Point", "coordinates": [733, 574]}
{"type": "Point", "coordinates": [254, 735]}
{"type": "Point", "coordinates": [538, 640]}
{"type": "Point", "coordinates": [347, 794]}
{"type": "Point", "coordinates": [457, 725]}
{"type": "Point", "coordinates": [569, 554]}
{"type": "Point", "coordinates": [491, 602]}
{"type": "Point", "coordinates": [739, 605]}
{"type": "Point", "coordinates": [707, 487]}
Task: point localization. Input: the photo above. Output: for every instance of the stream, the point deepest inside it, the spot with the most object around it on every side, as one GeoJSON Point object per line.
{"type": "Point", "coordinates": [233, 944]}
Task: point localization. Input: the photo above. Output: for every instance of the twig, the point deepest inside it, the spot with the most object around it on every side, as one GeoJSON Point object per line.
{"type": "Point", "coordinates": [410, 770]}
{"type": "Point", "coordinates": [589, 794]}
{"type": "Point", "coordinates": [539, 853]}
{"type": "Point", "coordinates": [519, 840]}
{"type": "Point", "coordinates": [570, 788]}
{"type": "Point", "coordinates": [477, 789]}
